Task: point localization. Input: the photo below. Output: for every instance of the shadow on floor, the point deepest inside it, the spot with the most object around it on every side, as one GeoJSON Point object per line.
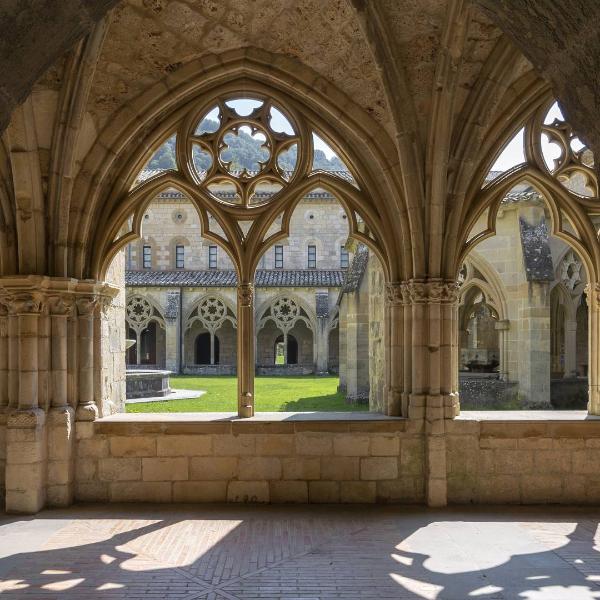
{"type": "Point", "coordinates": [309, 553]}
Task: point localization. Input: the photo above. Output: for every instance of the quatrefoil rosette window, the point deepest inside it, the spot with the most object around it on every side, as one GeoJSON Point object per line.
{"type": "Point", "coordinates": [139, 312]}
{"type": "Point", "coordinates": [554, 147]}
{"type": "Point", "coordinates": [211, 312]}
{"type": "Point", "coordinates": [275, 152]}
{"type": "Point", "coordinates": [285, 312]}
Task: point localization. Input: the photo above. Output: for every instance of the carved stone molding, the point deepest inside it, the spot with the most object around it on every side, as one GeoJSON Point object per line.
{"type": "Point", "coordinates": [86, 306]}
{"type": "Point", "coordinates": [433, 291]}
{"type": "Point", "coordinates": [24, 303]}
{"type": "Point", "coordinates": [61, 305]}
{"type": "Point", "coordinates": [394, 293]}
{"type": "Point", "coordinates": [592, 291]}
{"type": "Point", "coordinates": [245, 293]}
{"type": "Point", "coordinates": [30, 418]}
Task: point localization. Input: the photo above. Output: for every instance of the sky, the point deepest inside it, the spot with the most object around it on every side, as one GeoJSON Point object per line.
{"type": "Point", "coordinates": [514, 153]}
{"type": "Point", "coordinates": [278, 121]}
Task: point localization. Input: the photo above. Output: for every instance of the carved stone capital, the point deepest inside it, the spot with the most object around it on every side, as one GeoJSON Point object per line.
{"type": "Point", "coordinates": [61, 305]}
{"type": "Point", "coordinates": [433, 291]}
{"type": "Point", "coordinates": [86, 305]}
{"type": "Point", "coordinates": [245, 294]}
{"type": "Point", "coordinates": [394, 293]}
{"type": "Point", "coordinates": [26, 303]}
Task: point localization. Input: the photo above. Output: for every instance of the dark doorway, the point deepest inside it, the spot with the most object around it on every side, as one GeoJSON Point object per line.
{"type": "Point", "coordinates": [292, 350]}
{"type": "Point", "coordinates": [203, 349]}
{"type": "Point", "coordinates": [148, 345]}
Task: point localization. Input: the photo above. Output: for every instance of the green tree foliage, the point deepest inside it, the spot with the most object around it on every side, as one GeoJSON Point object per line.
{"type": "Point", "coordinates": [244, 152]}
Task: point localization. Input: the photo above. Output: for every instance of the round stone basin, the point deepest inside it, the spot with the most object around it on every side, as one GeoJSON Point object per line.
{"type": "Point", "coordinates": [147, 383]}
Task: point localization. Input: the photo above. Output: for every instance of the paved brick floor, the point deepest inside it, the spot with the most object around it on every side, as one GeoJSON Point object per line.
{"type": "Point", "coordinates": [300, 553]}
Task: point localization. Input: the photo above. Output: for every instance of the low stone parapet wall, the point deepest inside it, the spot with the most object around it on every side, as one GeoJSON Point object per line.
{"type": "Point", "coordinates": [523, 461]}
{"type": "Point", "coordinates": [179, 460]}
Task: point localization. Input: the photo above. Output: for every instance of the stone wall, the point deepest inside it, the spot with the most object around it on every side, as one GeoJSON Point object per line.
{"type": "Point", "coordinates": [170, 222]}
{"type": "Point", "coordinates": [376, 280]}
{"type": "Point", "coordinates": [523, 462]}
{"type": "Point", "coordinates": [112, 342]}
{"type": "Point", "coordinates": [168, 461]}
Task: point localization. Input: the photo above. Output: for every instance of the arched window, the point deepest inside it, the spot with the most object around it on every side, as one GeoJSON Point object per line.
{"type": "Point", "coordinates": [246, 162]}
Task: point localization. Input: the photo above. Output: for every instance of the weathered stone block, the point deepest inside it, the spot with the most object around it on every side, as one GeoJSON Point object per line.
{"type": "Point", "coordinates": [275, 445]}
{"type": "Point", "coordinates": [288, 491]}
{"type": "Point", "coordinates": [200, 491]}
{"type": "Point", "coordinates": [132, 446]}
{"type": "Point", "coordinates": [375, 468]}
{"type": "Point", "coordinates": [165, 469]}
{"type": "Point", "coordinates": [501, 443]}
{"type": "Point", "coordinates": [385, 445]}
{"type": "Point", "coordinates": [314, 444]}
{"type": "Point", "coordinates": [499, 489]}
{"type": "Point", "coordinates": [339, 468]}
{"type": "Point", "coordinates": [412, 457]}
{"type": "Point", "coordinates": [357, 492]}
{"type": "Point", "coordinates": [59, 472]}
{"type": "Point", "coordinates": [234, 445]}
{"type": "Point", "coordinates": [91, 491]}
{"type": "Point", "coordinates": [213, 468]}
{"type": "Point", "coordinates": [402, 490]}
{"type": "Point", "coordinates": [511, 462]}
{"type": "Point", "coordinates": [552, 461]}
{"type": "Point", "coordinates": [248, 491]}
{"type": "Point", "coordinates": [140, 491]}
{"type": "Point", "coordinates": [92, 448]}
{"type": "Point", "coordinates": [59, 495]}
{"type": "Point", "coordinates": [120, 469]}
{"type": "Point", "coordinates": [301, 468]}
{"type": "Point", "coordinates": [325, 492]}
{"type": "Point", "coordinates": [351, 445]}
{"type": "Point", "coordinates": [184, 445]}
{"type": "Point", "coordinates": [25, 452]}
{"type": "Point", "coordinates": [258, 467]}
{"type": "Point", "coordinates": [84, 430]}
{"type": "Point", "coordinates": [541, 488]}
{"type": "Point", "coordinates": [85, 469]}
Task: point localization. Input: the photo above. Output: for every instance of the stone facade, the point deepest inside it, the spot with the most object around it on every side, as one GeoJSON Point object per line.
{"type": "Point", "coordinates": [532, 286]}
{"type": "Point", "coordinates": [170, 221]}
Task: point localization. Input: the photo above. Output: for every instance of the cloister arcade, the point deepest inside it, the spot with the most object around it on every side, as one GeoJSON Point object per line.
{"type": "Point", "coordinates": [418, 131]}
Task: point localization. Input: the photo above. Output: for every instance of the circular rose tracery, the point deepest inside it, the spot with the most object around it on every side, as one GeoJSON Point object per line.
{"type": "Point", "coordinates": [266, 143]}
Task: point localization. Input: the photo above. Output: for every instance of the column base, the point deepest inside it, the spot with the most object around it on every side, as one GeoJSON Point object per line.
{"type": "Point", "coordinates": [26, 443]}
{"type": "Point", "coordinates": [86, 412]}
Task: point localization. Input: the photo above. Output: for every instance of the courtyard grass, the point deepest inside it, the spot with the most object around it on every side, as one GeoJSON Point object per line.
{"type": "Point", "coordinates": [273, 394]}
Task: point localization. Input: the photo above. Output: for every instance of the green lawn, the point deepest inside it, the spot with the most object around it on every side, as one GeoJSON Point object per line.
{"type": "Point", "coordinates": [273, 394]}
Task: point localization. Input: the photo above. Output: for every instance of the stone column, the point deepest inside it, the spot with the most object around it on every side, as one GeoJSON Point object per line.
{"type": "Point", "coordinates": [322, 345]}
{"type": "Point", "coordinates": [86, 405]}
{"type": "Point", "coordinates": [593, 300]}
{"type": "Point", "coordinates": [502, 327]}
{"type": "Point", "coordinates": [534, 346]}
{"type": "Point", "coordinates": [432, 316]}
{"type": "Point", "coordinates": [570, 348]}
{"type": "Point", "coordinates": [395, 350]}
{"type": "Point", "coordinates": [61, 417]}
{"type": "Point", "coordinates": [26, 432]}
{"type": "Point", "coordinates": [245, 349]}
{"type": "Point", "coordinates": [3, 393]}
{"type": "Point", "coordinates": [172, 343]}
